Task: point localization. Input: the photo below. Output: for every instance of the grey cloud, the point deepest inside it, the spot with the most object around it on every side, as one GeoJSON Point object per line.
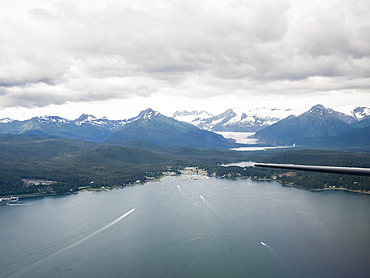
{"type": "Point", "coordinates": [208, 47]}
{"type": "Point", "coordinates": [40, 95]}
{"type": "Point", "coordinates": [342, 31]}
{"type": "Point", "coordinates": [29, 97]}
{"type": "Point", "coordinates": [42, 14]}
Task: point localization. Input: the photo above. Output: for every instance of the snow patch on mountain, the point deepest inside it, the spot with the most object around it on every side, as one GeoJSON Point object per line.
{"type": "Point", "coordinates": [260, 116]}
{"type": "Point", "coordinates": [6, 120]}
{"type": "Point", "coordinates": [52, 120]}
{"type": "Point", "coordinates": [85, 119]}
{"type": "Point", "coordinates": [236, 119]}
{"type": "Point", "coordinates": [191, 116]}
{"type": "Point", "coordinates": [144, 115]}
{"type": "Point", "coordinates": [231, 120]}
{"type": "Point", "coordinates": [148, 114]}
{"type": "Point", "coordinates": [361, 113]}
{"type": "Point", "coordinates": [324, 111]}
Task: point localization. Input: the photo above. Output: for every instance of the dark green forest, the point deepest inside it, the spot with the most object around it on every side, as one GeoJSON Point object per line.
{"type": "Point", "coordinates": [304, 179]}
{"type": "Point", "coordinates": [67, 165]}
{"type": "Point", "coordinates": [72, 164]}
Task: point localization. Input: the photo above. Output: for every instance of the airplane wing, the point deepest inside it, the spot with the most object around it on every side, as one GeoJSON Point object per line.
{"type": "Point", "coordinates": [325, 169]}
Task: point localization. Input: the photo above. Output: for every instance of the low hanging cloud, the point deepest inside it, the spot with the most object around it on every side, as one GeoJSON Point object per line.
{"type": "Point", "coordinates": [73, 53]}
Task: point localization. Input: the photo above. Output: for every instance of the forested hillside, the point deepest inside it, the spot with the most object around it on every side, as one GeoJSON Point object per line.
{"type": "Point", "coordinates": [67, 164]}
{"type": "Point", "coordinates": [53, 165]}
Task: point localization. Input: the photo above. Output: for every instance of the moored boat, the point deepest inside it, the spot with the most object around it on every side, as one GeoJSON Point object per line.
{"type": "Point", "coordinates": [7, 200]}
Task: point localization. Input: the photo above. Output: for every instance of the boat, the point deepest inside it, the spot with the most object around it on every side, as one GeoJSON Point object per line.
{"type": "Point", "coordinates": [7, 200]}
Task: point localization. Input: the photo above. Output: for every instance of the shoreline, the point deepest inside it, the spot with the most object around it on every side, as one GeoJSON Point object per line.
{"type": "Point", "coordinates": [300, 187]}
{"type": "Point", "coordinates": [340, 189]}
{"type": "Point", "coordinates": [91, 189]}
{"type": "Point", "coordinates": [83, 190]}
{"type": "Point", "coordinates": [326, 189]}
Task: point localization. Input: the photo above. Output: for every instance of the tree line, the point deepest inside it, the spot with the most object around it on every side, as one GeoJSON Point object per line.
{"type": "Point", "coordinates": [72, 164]}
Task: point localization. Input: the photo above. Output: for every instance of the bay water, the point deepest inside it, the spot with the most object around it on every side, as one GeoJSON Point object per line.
{"type": "Point", "coordinates": [188, 226]}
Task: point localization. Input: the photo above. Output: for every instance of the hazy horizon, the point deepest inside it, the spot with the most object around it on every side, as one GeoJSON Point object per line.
{"type": "Point", "coordinates": [254, 111]}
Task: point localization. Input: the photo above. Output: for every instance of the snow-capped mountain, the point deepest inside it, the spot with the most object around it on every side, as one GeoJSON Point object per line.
{"type": "Point", "coordinates": [322, 110]}
{"type": "Point", "coordinates": [319, 125]}
{"type": "Point", "coordinates": [361, 113]}
{"type": "Point", "coordinates": [161, 130]}
{"type": "Point", "coordinates": [5, 121]}
{"type": "Point", "coordinates": [145, 115]}
{"type": "Point", "coordinates": [85, 127]}
{"type": "Point", "coordinates": [235, 119]}
{"type": "Point", "coordinates": [149, 125]}
{"type": "Point", "coordinates": [52, 120]}
{"type": "Point", "coordinates": [86, 119]}
{"type": "Point", "coordinates": [89, 127]}
{"type": "Point", "coordinates": [193, 117]}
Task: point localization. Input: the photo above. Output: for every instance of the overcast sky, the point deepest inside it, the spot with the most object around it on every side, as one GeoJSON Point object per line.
{"type": "Point", "coordinates": [116, 58]}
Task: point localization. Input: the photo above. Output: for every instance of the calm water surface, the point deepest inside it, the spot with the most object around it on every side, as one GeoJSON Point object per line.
{"type": "Point", "coordinates": [188, 228]}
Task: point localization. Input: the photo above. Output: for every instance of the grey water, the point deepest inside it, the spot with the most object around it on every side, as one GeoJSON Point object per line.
{"type": "Point", "coordinates": [181, 227]}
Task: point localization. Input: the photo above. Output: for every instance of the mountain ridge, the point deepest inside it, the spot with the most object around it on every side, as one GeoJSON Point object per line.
{"type": "Point", "coordinates": [150, 125]}
{"type": "Point", "coordinates": [317, 126]}
{"type": "Point", "coordinates": [166, 131]}
{"type": "Point", "coordinates": [253, 120]}
{"type": "Point", "coordinates": [235, 119]}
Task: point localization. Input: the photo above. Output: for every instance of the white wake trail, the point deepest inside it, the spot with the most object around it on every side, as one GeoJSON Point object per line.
{"type": "Point", "coordinates": [207, 204]}
{"type": "Point", "coordinates": [20, 204]}
{"type": "Point", "coordinates": [277, 257]}
{"type": "Point", "coordinates": [23, 271]}
{"type": "Point", "coordinates": [182, 193]}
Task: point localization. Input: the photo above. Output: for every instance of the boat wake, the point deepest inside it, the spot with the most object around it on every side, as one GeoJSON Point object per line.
{"type": "Point", "coordinates": [278, 258]}
{"type": "Point", "coordinates": [182, 193]}
{"type": "Point", "coordinates": [264, 244]}
{"type": "Point", "coordinates": [10, 204]}
{"type": "Point", "coordinates": [207, 204]}
{"type": "Point", "coordinates": [32, 266]}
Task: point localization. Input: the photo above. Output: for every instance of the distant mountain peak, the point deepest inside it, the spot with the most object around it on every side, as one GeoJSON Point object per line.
{"type": "Point", "coordinates": [159, 129]}
{"type": "Point", "coordinates": [85, 117]}
{"type": "Point", "coordinates": [190, 113]}
{"type": "Point", "coordinates": [319, 108]}
{"type": "Point", "coordinates": [234, 119]}
{"type": "Point", "coordinates": [361, 113]}
{"type": "Point", "coordinates": [148, 114]}
{"type": "Point", "coordinates": [6, 120]}
{"type": "Point", "coordinates": [194, 117]}
{"type": "Point", "coordinates": [318, 122]}
{"type": "Point", "coordinates": [52, 120]}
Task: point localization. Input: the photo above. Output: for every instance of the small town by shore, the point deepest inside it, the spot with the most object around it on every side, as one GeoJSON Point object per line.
{"type": "Point", "coordinates": [189, 172]}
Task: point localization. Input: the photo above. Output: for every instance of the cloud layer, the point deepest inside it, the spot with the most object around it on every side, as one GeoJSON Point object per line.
{"type": "Point", "coordinates": [79, 53]}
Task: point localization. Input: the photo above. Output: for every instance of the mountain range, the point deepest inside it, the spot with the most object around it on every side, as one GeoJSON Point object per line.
{"type": "Point", "coordinates": [161, 130]}
{"type": "Point", "coordinates": [234, 120]}
{"type": "Point", "coordinates": [317, 126]}
{"type": "Point", "coordinates": [148, 125]}
{"type": "Point", "coordinates": [320, 126]}
{"type": "Point", "coordinates": [244, 120]}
